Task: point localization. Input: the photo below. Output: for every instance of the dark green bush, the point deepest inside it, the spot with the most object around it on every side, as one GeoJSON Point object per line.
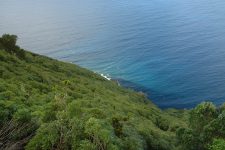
{"type": "Point", "coordinates": [206, 123]}
{"type": "Point", "coordinates": [8, 42]}
{"type": "Point", "coordinates": [162, 123]}
{"type": "Point", "coordinates": [118, 127]}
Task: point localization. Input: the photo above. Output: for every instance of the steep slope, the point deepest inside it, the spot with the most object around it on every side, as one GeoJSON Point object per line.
{"type": "Point", "coordinates": [48, 104]}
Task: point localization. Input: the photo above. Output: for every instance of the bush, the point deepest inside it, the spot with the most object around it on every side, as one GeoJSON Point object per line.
{"type": "Point", "coordinates": [187, 139]}
{"type": "Point", "coordinates": [99, 133]}
{"type": "Point", "coordinates": [222, 107]}
{"type": "Point", "coordinates": [162, 123]}
{"type": "Point", "coordinates": [22, 115]}
{"type": "Point", "coordinates": [218, 144]}
{"type": "Point", "coordinates": [202, 115]}
{"type": "Point", "coordinates": [206, 123]}
{"type": "Point", "coordinates": [118, 127]}
{"type": "Point", "coordinates": [46, 137]}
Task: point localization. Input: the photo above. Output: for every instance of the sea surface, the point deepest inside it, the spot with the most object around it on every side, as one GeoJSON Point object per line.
{"type": "Point", "coordinates": [174, 50]}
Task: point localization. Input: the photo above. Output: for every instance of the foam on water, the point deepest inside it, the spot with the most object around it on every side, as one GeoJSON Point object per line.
{"type": "Point", "coordinates": [105, 76]}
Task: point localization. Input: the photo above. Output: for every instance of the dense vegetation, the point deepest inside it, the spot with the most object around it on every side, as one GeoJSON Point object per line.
{"type": "Point", "coordinates": [47, 104]}
{"type": "Point", "coordinates": [206, 128]}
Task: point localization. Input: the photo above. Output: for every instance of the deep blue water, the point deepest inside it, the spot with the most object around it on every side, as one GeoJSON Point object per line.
{"type": "Point", "coordinates": [174, 50]}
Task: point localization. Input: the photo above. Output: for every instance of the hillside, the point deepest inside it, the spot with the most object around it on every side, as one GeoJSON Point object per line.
{"type": "Point", "coordinates": [48, 104]}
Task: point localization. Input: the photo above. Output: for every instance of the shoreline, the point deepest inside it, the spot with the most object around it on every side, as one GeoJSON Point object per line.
{"type": "Point", "coordinates": [159, 99]}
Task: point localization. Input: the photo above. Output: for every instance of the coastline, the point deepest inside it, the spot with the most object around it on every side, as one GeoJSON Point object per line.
{"type": "Point", "coordinates": [162, 100]}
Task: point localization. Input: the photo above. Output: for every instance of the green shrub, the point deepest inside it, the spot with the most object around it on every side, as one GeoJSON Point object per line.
{"type": "Point", "coordinates": [202, 115]}
{"type": "Point", "coordinates": [218, 144]}
{"type": "Point", "coordinates": [22, 115]}
{"type": "Point", "coordinates": [162, 123]}
{"type": "Point", "coordinates": [46, 138]}
{"type": "Point", "coordinates": [118, 127]}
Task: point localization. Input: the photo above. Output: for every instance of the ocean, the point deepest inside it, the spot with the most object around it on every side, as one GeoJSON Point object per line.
{"type": "Point", "coordinates": [173, 50]}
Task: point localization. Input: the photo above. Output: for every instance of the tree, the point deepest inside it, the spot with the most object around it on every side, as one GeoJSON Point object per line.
{"type": "Point", "coordinates": [187, 139]}
{"type": "Point", "coordinates": [9, 42]}
{"type": "Point", "coordinates": [202, 115]}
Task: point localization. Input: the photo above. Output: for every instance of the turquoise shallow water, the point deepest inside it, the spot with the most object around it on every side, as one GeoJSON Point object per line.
{"type": "Point", "coordinates": [173, 50]}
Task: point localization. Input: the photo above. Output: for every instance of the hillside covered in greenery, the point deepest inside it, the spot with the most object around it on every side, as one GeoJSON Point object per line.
{"type": "Point", "coordinates": [46, 104]}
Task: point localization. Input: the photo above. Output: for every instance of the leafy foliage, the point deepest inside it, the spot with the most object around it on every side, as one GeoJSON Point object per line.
{"type": "Point", "coordinates": [8, 42]}
{"type": "Point", "coordinates": [206, 124]}
{"type": "Point", "coordinates": [218, 144]}
{"type": "Point", "coordinates": [47, 104]}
